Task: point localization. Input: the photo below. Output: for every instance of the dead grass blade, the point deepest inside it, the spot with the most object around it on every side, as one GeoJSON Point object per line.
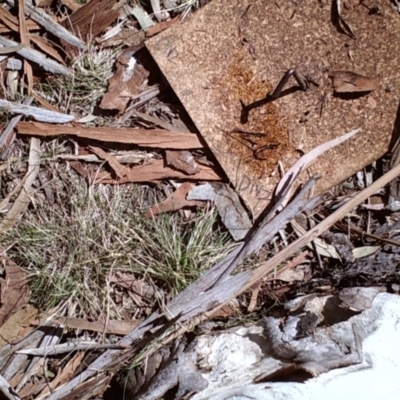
{"type": "Point", "coordinates": [210, 289]}
{"type": "Point", "coordinates": [22, 201]}
{"type": "Point", "coordinates": [306, 160]}
{"type": "Point", "coordinates": [154, 138]}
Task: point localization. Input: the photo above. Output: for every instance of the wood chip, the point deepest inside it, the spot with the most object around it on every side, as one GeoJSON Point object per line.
{"type": "Point", "coordinates": [24, 35]}
{"type": "Point", "coordinates": [7, 390]}
{"type": "Point", "coordinates": [104, 12]}
{"type": "Point", "coordinates": [156, 138]}
{"type": "Point", "coordinates": [175, 201]}
{"type": "Point", "coordinates": [12, 22]}
{"type": "Point", "coordinates": [155, 172]}
{"type": "Point", "coordinates": [348, 82]}
{"type": "Point", "coordinates": [129, 80]}
{"type": "Point", "coordinates": [14, 290]}
{"type": "Point", "coordinates": [119, 169]}
{"type": "Point", "coordinates": [182, 161]}
{"type": "Point", "coordinates": [72, 5]}
{"type": "Point", "coordinates": [80, 169]}
{"type": "Point", "coordinates": [8, 136]}
{"type": "Point", "coordinates": [161, 26]}
{"type": "Point", "coordinates": [233, 214]}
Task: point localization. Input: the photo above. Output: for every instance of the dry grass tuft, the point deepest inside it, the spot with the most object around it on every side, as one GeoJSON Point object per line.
{"type": "Point", "coordinates": [74, 247]}
{"type": "Point", "coordinates": [80, 92]}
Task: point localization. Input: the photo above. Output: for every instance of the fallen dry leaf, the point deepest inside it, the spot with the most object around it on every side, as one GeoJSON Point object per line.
{"type": "Point", "coordinates": [231, 308]}
{"type": "Point", "coordinates": [13, 329]}
{"type": "Point", "coordinates": [299, 259]}
{"type": "Point", "coordinates": [139, 291]}
{"type": "Point", "coordinates": [348, 82]}
{"type": "Point", "coordinates": [182, 161]}
{"type": "Point", "coordinates": [129, 79]}
{"type": "Point", "coordinates": [46, 48]}
{"type": "Point", "coordinates": [118, 168]}
{"type": "Point", "coordinates": [80, 169]}
{"type": "Point", "coordinates": [158, 138]}
{"type": "Point", "coordinates": [229, 207]}
{"type": "Point", "coordinates": [175, 201]}
{"type": "Point", "coordinates": [64, 375]}
{"type": "Point", "coordinates": [344, 25]}
{"type": "Point", "coordinates": [29, 390]}
{"type": "Point", "coordinates": [14, 290]}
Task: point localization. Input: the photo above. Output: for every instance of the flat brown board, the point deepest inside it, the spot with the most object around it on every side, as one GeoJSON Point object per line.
{"type": "Point", "coordinates": [238, 50]}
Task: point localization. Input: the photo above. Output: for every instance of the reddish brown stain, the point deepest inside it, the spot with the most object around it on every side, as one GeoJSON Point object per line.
{"type": "Point", "coordinates": [241, 84]}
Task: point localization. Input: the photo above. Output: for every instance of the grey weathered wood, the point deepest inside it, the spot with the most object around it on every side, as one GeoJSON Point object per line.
{"type": "Point", "coordinates": [5, 136]}
{"type": "Point", "coordinates": [37, 57]}
{"type": "Point", "coordinates": [7, 390]}
{"type": "Point", "coordinates": [37, 113]}
{"type": "Point", "coordinates": [40, 17]}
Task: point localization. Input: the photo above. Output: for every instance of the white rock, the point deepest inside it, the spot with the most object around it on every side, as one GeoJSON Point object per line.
{"type": "Point", "coordinates": [232, 360]}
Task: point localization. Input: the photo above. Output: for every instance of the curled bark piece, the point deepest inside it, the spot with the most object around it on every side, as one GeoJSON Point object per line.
{"type": "Point", "coordinates": [347, 82]}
